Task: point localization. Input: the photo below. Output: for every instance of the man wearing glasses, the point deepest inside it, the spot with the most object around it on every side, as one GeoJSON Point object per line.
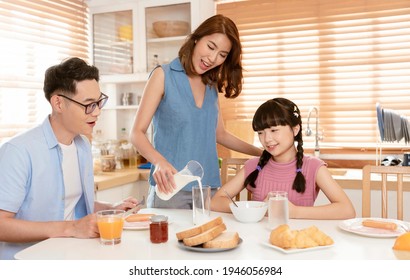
{"type": "Point", "coordinates": [46, 173]}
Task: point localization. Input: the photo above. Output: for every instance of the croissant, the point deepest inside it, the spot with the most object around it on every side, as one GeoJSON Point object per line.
{"type": "Point", "coordinates": [284, 237]}
{"type": "Point", "coordinates": [318, 236]}
{"type": "Point", "coordinates": [303, 240]}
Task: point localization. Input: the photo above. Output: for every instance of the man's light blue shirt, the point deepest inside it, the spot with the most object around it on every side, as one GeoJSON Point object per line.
{"type": "Point", "coordinates": [32, 183]}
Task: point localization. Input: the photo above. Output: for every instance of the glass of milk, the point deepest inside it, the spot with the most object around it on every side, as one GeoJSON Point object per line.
{"type": "Point", "coordinates": [278, 210]}
{"type": "Point", "coordinates": [201, 204]}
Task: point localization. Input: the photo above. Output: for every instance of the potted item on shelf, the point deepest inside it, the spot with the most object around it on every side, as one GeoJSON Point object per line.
{"type": "Point", "coordinates": [125, 33]}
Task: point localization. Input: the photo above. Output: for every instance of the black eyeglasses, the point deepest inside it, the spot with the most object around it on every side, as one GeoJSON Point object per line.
{"type": "Point", "coordinates": [89, 108]}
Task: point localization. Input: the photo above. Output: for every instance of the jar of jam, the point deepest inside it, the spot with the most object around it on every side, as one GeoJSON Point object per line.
{"type": "Point", "coordinates": [158, 229]}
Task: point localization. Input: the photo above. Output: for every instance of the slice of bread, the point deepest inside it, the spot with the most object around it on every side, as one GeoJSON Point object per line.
{"type": "Point", "coordinates": [199, 229]}
{"type": "Point", "coordinates": [204, 236]}
{"type": "Point", "coordinates": [227, 239]}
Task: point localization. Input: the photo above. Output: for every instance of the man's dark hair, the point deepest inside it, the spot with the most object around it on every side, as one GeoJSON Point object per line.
{"type": "Point", "coordinates": [64, 76]}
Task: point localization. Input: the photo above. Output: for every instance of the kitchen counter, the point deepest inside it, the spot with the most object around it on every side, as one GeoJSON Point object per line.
{"type": "Point", "coordinates": [107, 180]}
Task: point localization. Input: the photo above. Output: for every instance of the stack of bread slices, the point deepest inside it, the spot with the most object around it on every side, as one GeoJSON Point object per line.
{"type": "Point", "coordinates": [211, 234]}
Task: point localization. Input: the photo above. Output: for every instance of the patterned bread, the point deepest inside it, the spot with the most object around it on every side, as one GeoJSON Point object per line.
{"type": "Point", "coordinates": [227, 239]}
{"type": "Point", "coordinates": [204, 236]}
{"type": "Point", "coordinates": [199, 229]}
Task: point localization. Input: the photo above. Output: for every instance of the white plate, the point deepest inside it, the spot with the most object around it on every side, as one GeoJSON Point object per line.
{"type": "Point", "coordinates": [355, 226]}
{"type": "Point", "coordinates": [292, 251]}
{"type": "Point", "coordinates": [206, 250]}
{"type": "Point", "coordinates": [380, 120]}
{"type": "Point", "coordinates": [138, 225]}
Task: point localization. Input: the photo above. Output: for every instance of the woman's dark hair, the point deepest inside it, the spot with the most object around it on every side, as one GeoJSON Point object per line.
{"type": "Point", "coordinates": [64, 76]}
{"type": "Point", "coordinates": [279, 112]}
{"type": "Point", "coordinates": [228, 76]}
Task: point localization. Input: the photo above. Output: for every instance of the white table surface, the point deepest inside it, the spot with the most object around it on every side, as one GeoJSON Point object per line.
{"type": "Point", "coordinates": [136, 243]}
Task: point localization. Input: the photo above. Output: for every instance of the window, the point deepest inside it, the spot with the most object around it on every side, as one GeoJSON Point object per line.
{"type": "Point", "coordinates": [340, 56]}
{"type": "Point", "coordinates": [35, 35]}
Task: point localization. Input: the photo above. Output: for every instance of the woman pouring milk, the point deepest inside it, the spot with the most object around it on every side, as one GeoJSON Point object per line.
{"type": "Point", "coordinates": [181, 98]}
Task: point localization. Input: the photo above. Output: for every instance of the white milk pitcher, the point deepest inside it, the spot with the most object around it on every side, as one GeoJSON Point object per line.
{"type": "Point", "coordinates": [193, 171]}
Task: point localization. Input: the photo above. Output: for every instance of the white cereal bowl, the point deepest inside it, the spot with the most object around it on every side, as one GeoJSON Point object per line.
{"type": "Point", "coordinates": [249, 211]}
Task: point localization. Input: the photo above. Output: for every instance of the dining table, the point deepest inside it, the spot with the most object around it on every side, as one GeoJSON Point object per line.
{"type": "Point", "coordinates": [254, 243]}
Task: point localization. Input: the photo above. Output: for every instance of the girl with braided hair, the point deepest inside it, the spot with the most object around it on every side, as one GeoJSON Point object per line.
{"type": "Point", "coordinates": [284, 167]}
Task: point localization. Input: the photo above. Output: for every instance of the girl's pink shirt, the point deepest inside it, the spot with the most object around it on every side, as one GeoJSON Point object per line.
{"type": "Point", "coordinates": [280, 176]}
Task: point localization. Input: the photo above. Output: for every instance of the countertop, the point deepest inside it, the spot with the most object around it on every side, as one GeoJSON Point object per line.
{"type": "Point", "coordinates": [106, 180]}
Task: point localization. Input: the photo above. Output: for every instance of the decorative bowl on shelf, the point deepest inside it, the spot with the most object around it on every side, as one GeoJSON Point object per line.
{"type": "Point", "coordinates": [170, 28]}
{"type": "Point", "coordinates": [125, 32]}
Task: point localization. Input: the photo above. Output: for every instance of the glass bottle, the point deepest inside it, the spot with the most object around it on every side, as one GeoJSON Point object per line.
{"type": "Point", "coordinates": [123, 136]}
{"type": "Point", "coordinates": [124, 99]}
{"type": "Point", "coordinates": [155, 61]}
{"type": "Point", "coordinates": [108, 163]}
{"type": "Point", "coordinates": [114, 149]}
{"type": "Point", "coordinates": [97, 149]}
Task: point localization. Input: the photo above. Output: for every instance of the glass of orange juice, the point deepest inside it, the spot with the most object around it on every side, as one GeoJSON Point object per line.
{"type": "Point", "coordinates": [110, 224]}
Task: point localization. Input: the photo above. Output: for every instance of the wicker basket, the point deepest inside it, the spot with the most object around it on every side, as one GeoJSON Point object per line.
{"type": "Point", "coordinates": [170, 28]}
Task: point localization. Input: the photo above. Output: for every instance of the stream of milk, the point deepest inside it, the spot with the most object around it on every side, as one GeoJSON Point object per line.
{"type": "Point", "coordinates": [182, 180]}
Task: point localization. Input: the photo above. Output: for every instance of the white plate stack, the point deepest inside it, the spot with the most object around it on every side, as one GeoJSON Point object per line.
{"type": "Point", "coordinates": [392, 126]}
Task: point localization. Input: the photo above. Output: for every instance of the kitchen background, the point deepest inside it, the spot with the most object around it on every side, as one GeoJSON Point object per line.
{"type": "Point", "coordinates": [336, 59]}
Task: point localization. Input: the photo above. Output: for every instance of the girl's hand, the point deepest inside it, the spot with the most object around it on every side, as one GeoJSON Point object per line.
{"type": "Point", "coordinates": [292, 209]}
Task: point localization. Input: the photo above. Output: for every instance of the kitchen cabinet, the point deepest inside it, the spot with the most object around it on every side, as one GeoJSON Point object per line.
{"type": "Point", "coordinates": [115, 194]}
{"type": "Point", "coordinates": [125, 48]}
{"type": "Point", "coordinates": [115, 186]}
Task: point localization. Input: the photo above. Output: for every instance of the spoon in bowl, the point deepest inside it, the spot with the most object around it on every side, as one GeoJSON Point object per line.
{"type": "Point", "coordinates": [227, 194]}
